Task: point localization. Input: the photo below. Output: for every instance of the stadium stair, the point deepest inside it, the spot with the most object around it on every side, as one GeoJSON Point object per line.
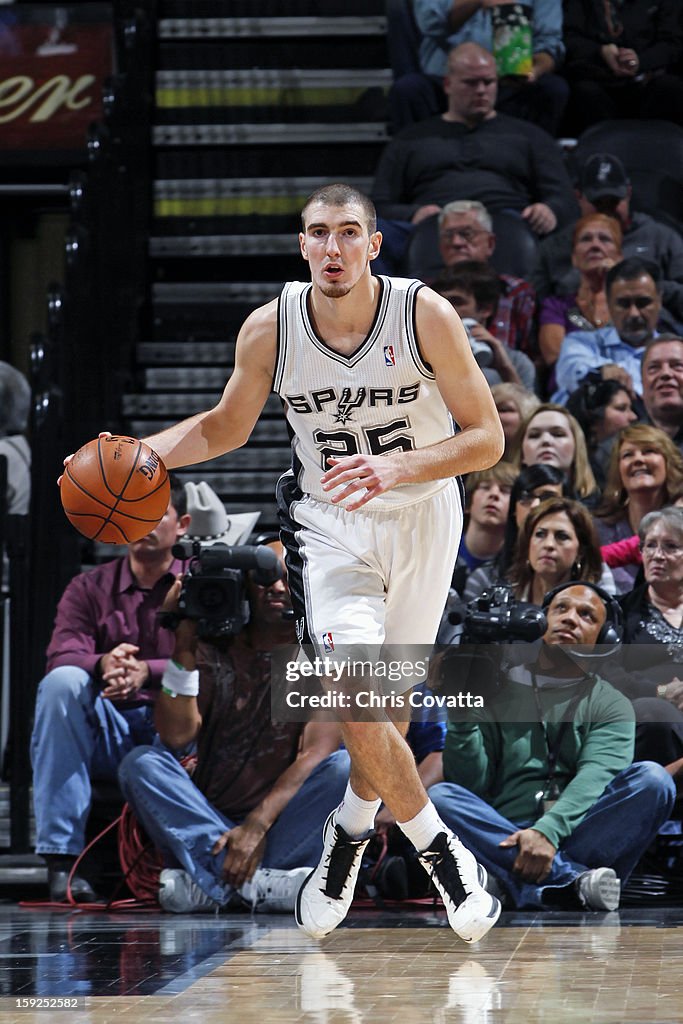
{"type": "Point", "coordinates": [254, 110]}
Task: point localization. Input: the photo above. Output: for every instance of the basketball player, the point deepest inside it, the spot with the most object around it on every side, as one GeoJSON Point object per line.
{"type": "Point", "coordinates": [370, 371]}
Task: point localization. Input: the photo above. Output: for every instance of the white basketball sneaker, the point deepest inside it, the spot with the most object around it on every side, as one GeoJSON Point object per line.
{"type": "Point", "coordinates": [270, 891]}
{"type": "Point", "coordinates": [454, 870]}
{"type": "Point", "coordinates": [325, 897]}
{"type": "Point", "coordinates": [178, 894]}
{"type": "Point", "coordinates": [599, 889]}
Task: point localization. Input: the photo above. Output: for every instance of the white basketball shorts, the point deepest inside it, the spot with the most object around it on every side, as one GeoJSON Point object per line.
{"type": "Point", "coordinates": [369, 578]}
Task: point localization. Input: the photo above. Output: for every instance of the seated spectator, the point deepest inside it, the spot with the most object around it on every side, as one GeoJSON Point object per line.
{"type": "Point", "coordinates": [104, 665]}
{"type": "Point", "coordinates": [634, 302]}
{"type": "Point", "coordinates": [514, 404]}
{"type": "Point", "coordinates": [465, 235]}
{"type": "Point", "coordinates": [601, 408]}
{"type": "Point", "coordinates": [540, 784]}
{"type": "Point", "coordinates": [533, 485]}
{"type": "Point", "coordinates": [557, 543]}
{"type": "Point", "coordinates": [487, 498]}
{"type": "Point", "coordinates": [250, 819]}
{"type": "Point", "coordinates": [618, 60]}
{"type": "Point", "coordinates": [653, 631]}
{"type": "Point", "coordinates": [470, 152]}
{"type": "Point", "coordinates": [15, 400]}
{"type": "Point", "coordinates": [645, 473]}
{"type": "Point", "coordinates": [604, 187]}
{"type": "Point", "coordinates": [596, 247]}
{"type": "Point", "coordinates": [662, 375]}
{"type": "Point", "coordinates": [536, 93]}
{"type": "Point", "coordinates": [552, 437]}
{"type": "Point", "coordinates": [474, 290]}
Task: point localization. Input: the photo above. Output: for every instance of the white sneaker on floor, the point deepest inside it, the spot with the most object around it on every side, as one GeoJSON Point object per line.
{"type": "Point", "coordinates": [178, 894]}
{"type": "Point", "coordinates": [599, 889]}
{"type": "Point", "coordinates": [325, 897]}
{"type": "Point", "coordinates": [454, 870]}
{"type": "Point", "coordinates": [270, 891]}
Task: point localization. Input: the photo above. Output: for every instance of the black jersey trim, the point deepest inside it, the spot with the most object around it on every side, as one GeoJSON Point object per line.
{"type": "Point", "coordinates": [288, 493]}
{"type": "Point", "coordinates": [411, 331]}
{"type": "Point", "coordinates": [370, 338]}
{"type": "Point", "coordinates": [281, 340]}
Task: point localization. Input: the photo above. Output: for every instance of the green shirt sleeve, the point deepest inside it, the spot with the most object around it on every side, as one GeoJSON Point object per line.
{"type": "Point", "coordinates": [603, 742]}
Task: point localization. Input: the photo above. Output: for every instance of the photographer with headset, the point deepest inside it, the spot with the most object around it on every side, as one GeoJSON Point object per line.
{"type": "Point", "coordinates": [246, 826]}
{"type": "Point", "coordinates": [540, 781]}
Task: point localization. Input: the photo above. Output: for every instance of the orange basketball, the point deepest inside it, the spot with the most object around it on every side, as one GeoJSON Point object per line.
{"type": "Point", "coordinates": [115, 490]}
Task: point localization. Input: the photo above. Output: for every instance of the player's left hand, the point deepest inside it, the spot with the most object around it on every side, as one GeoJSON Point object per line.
{"type": "Point", "coordinates": [536, 854]}
{"type": "Point", "coordinates": [371, 474]}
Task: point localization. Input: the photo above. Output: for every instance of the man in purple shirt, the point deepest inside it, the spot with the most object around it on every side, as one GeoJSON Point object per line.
{"type": "Point", "coordinates": [104, 666]}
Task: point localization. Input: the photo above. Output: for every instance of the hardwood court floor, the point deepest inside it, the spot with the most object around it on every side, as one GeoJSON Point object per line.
{"type": "Point", "coordinates": [552, 968]}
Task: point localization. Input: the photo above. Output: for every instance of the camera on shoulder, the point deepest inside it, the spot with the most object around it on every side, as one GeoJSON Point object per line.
{"type": "Point", "coordinates": [477, 657]}
{"type": "Point", "coordinates": [214, 592]}
{"type": "Point", "coordinates": [496, 616]}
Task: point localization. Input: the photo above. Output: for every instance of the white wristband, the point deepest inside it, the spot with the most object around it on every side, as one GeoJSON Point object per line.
{"type": "Point", "coordinates": [178, 681]}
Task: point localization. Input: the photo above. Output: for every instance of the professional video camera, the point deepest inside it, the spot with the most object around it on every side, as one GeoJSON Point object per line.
{"type": "Point", "coordinates": [495, 616]}
{"type": "Point", "coordinates": [213, 592]}
{"type": "Point", "coordinates": [478, 652]}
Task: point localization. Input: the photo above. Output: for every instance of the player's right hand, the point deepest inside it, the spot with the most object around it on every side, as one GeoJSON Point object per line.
{"type": "Point", "coordinates": [67, 460]}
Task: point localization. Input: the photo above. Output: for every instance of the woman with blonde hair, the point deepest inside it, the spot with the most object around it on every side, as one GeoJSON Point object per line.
{"type": "Point", "coordinates": [514, 403]}
{"type": "Point", "coordinates": [645, 473]}
{"type": "Point", "coordinates": [551, 436]}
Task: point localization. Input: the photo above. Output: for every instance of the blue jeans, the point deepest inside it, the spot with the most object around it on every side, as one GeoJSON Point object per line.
{"type": "Point", "coordinates": [77, 736]}
{"type": "Point", "coordinates": [184, 826]}
{"type": "Point", "coordinates": [615, 832]}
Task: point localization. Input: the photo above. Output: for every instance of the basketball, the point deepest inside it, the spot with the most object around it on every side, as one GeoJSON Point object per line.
{"type": "Point", "coordinates": [115, 490]}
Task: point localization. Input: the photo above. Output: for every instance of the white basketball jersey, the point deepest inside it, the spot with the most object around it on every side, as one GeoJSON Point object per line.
{"type": "Point", "coordinates": [380, 399]}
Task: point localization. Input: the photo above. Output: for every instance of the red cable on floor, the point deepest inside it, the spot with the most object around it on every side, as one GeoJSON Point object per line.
{"type": "Point", "coordinates": [141, 866]}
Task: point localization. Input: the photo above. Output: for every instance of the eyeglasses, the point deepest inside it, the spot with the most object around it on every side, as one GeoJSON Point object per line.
{"type": "Point", "coordinates": [526, 498]}
{"type": "Point", "coordinates": [467, 234]}
{"type": "Point", "coordinates": [668, 548]}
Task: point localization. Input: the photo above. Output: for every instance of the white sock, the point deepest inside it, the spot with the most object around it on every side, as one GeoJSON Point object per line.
{"type": "Point", "coordinates": [424, 827]}
{"type": "Point", "coordinates": [356, 816]}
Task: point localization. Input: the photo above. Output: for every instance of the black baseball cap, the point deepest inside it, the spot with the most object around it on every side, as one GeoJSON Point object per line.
{"type": "Point", "coordinates": [603, 175]}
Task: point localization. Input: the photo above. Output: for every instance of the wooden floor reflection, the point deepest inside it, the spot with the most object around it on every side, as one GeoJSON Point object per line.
{"type": "Point", "coordinates": [551, 968]}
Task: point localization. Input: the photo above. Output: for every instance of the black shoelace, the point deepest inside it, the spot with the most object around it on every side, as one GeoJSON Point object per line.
{"type": "Point", "coordinates": [445, 870]}
{"type": "Point", "coordinates": [341, 858]}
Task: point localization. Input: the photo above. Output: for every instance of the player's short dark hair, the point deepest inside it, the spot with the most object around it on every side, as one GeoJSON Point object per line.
{"type": "Point", "coordinates": [630, 269]}
{"type": "Point", "coordinates": [339, 194]}
{"type": "Point", "coordinates": [478, 279]}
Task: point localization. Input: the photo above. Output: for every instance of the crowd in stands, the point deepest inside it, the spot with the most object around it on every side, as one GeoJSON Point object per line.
{"type": "Point", "coordinates": [572, 299]}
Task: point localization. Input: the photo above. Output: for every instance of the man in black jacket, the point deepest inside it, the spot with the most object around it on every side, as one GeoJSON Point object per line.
{"type": "Point", "coordinates": [471, 152]}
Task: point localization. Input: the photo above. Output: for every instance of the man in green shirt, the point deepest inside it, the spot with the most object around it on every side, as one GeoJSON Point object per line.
{"type": "Point", "coordinates": [540, 783]}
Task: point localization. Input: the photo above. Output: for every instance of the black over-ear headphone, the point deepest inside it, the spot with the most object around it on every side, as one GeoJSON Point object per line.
{"type": "Point", "coordinates": [612, 630]}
